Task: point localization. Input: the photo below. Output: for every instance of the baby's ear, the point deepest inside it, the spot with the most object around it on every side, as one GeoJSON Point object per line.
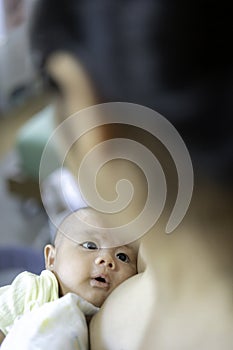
{"type": "Point", "coordinates": [49, 255]}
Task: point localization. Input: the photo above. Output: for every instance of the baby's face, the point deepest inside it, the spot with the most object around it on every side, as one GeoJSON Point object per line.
{"type": "Point", "coordinates": [86, 269]}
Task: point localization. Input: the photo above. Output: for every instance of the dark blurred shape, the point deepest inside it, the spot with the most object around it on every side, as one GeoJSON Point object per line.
{"type": "Point", "coordinates": [172, 56]}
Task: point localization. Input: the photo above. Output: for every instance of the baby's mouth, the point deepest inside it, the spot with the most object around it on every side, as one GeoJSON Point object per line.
{"type": "Point", "coordinates": [100, 281]}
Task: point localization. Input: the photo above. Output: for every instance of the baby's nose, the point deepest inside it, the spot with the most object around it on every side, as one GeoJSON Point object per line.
{"type": "Point", "coordinates": [105, 259]}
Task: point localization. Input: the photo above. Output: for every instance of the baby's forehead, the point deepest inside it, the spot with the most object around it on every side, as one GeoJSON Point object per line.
{"type": "Point", "coordinates": [86, 225]}
{"type": "Point", "coordinates": [83, 220]}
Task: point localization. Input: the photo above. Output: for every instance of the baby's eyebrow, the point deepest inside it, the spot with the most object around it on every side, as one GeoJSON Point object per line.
{"type": "Point", "coordinates": [127, 247]}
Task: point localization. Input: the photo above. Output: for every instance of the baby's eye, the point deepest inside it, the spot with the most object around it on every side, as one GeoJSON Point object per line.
{"type": "Point", "coordinates": [123, 257]}
{"type": "Point", "coordinates": [89, 245]}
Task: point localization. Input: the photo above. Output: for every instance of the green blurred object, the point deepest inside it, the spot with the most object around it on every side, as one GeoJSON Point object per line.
{"type": "Point", "coordinates": [31, 140]}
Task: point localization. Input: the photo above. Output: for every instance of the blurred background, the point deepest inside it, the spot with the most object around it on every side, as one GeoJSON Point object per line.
{"type": "Point", "coordinates": [23, 220]}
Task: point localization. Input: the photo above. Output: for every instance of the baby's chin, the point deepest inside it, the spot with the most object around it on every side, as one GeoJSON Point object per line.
{"type": "Point", "coordinates": [98, 302]}
{"type": "Point", "coordinates": [96, 299]}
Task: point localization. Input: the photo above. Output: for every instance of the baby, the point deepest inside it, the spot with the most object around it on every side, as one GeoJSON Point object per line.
{"type": "Point", "coordinates": [80, 274]}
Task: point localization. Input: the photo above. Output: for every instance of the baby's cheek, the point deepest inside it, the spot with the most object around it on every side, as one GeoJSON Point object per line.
{"type": "Point", "coordinates": [66, 282]}
{"type": "Point", "coordinates": [125, 273]}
